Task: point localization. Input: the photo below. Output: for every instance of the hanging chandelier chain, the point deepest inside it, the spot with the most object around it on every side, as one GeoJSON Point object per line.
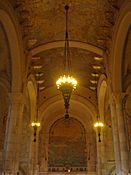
{"type": "Point", "coordinates": [37, 100]}
{"type": "Point", "coordinates": [67, 64]}
{"type": "Point", "coordinates": [66, 83]}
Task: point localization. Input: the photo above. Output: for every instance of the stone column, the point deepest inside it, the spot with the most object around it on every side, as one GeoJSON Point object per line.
{"type": "Point", "coordinates": [12, 143]}
{"type": "Point", "coordinates": [88, 151]}
{"type": "Point", "coordinates": [91, 152]}
{"type": "Point", "coordinates": [35, 149]}
{"type": "Point", "coordinates": [99, 165]}
{"type": "Point", "coordinates": [115, 135]}
{"type": "Point", "coordinates": [122, 135]}
{"type": "Point", "coordinates": [102, 152]}
{"type": "Point", "coordinates": [44, 151]}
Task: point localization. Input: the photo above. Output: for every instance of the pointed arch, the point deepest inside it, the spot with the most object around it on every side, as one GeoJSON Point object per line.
{"type": "Point", "coordinates": [120, 34]}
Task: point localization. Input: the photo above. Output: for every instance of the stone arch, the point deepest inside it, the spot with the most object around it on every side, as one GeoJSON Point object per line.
{"type": "Point", "coordinates": [57, 106]}
{"type": "Point", "coordinates": [12, 39]}
{"type": "Point", "coordinates": [54, 112]}
{"type": "Point", "coordinates": [102, 90]}
{"type": "Point", "coordinates": [51, 96]}
{"type": "Point", "coordinates": [120, 34]}
{"type": "Point", "coordinates": [59, 111]}
{"type": "Point", "coordinates": [105, 116]}
{"type": "Point", "coordinates": [75, 44]}
{"type": "Point", "coordinates": [29, 114]}
{"type": "Point", "coordinates": [16, 53]}
{"type": "Point", "coordinates": [52, 109]}
{"type": "Point", "coordinates": [31, 87]}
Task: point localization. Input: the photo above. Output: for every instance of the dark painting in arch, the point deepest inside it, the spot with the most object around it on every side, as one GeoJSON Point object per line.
{"type": "Point", "coordinates": [67, 144]}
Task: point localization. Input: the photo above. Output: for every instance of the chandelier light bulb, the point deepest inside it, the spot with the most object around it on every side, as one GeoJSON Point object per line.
{"type": "Point", "coordinates": [66, 80]}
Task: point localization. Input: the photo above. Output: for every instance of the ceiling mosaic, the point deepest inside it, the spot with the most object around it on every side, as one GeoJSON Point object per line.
{"type": "Point", "coordinates": [44, 20]}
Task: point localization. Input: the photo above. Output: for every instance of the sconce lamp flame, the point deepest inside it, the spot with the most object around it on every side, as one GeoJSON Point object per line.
{"type": "Point", "coordinates": [35, 125]}
{"type": "Point", "coordinates": [98, 124]}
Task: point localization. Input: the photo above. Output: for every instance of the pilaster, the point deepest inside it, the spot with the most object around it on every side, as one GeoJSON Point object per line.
{"type": "Point", "coordinates": [90, 149]}
{"type": "Point", "coordinates": [99, 161]}
{"type": "Point", "coordinates": [12, 142]}
{"type": "Point", "coordinates": [122, 133]}
{"type": "Point", "coordinates": [115, 135]}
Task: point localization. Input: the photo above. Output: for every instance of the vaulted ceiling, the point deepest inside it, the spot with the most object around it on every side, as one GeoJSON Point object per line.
{"type": "Point", "coordinates": [89, 21]}
{"type": "Point", "coordinates": [90, 24]}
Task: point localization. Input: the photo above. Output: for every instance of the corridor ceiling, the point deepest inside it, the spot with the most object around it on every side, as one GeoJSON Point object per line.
{"type": "Point", "coordinates": [90, 24]}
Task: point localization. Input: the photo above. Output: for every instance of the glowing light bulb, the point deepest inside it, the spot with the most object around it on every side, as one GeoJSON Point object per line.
{"type": "Point", "coordinates": [98, 124]}
{"type": "Point", "coordinates": [37, 124]}
{"type": "Point", "coordinates": [66, 80]}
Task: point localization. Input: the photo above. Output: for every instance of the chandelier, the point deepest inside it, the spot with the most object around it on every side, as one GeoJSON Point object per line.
{"type": "Point", "coordinates": [36, 124]}
{"type": "Point", "coordinates": [66, 83]}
